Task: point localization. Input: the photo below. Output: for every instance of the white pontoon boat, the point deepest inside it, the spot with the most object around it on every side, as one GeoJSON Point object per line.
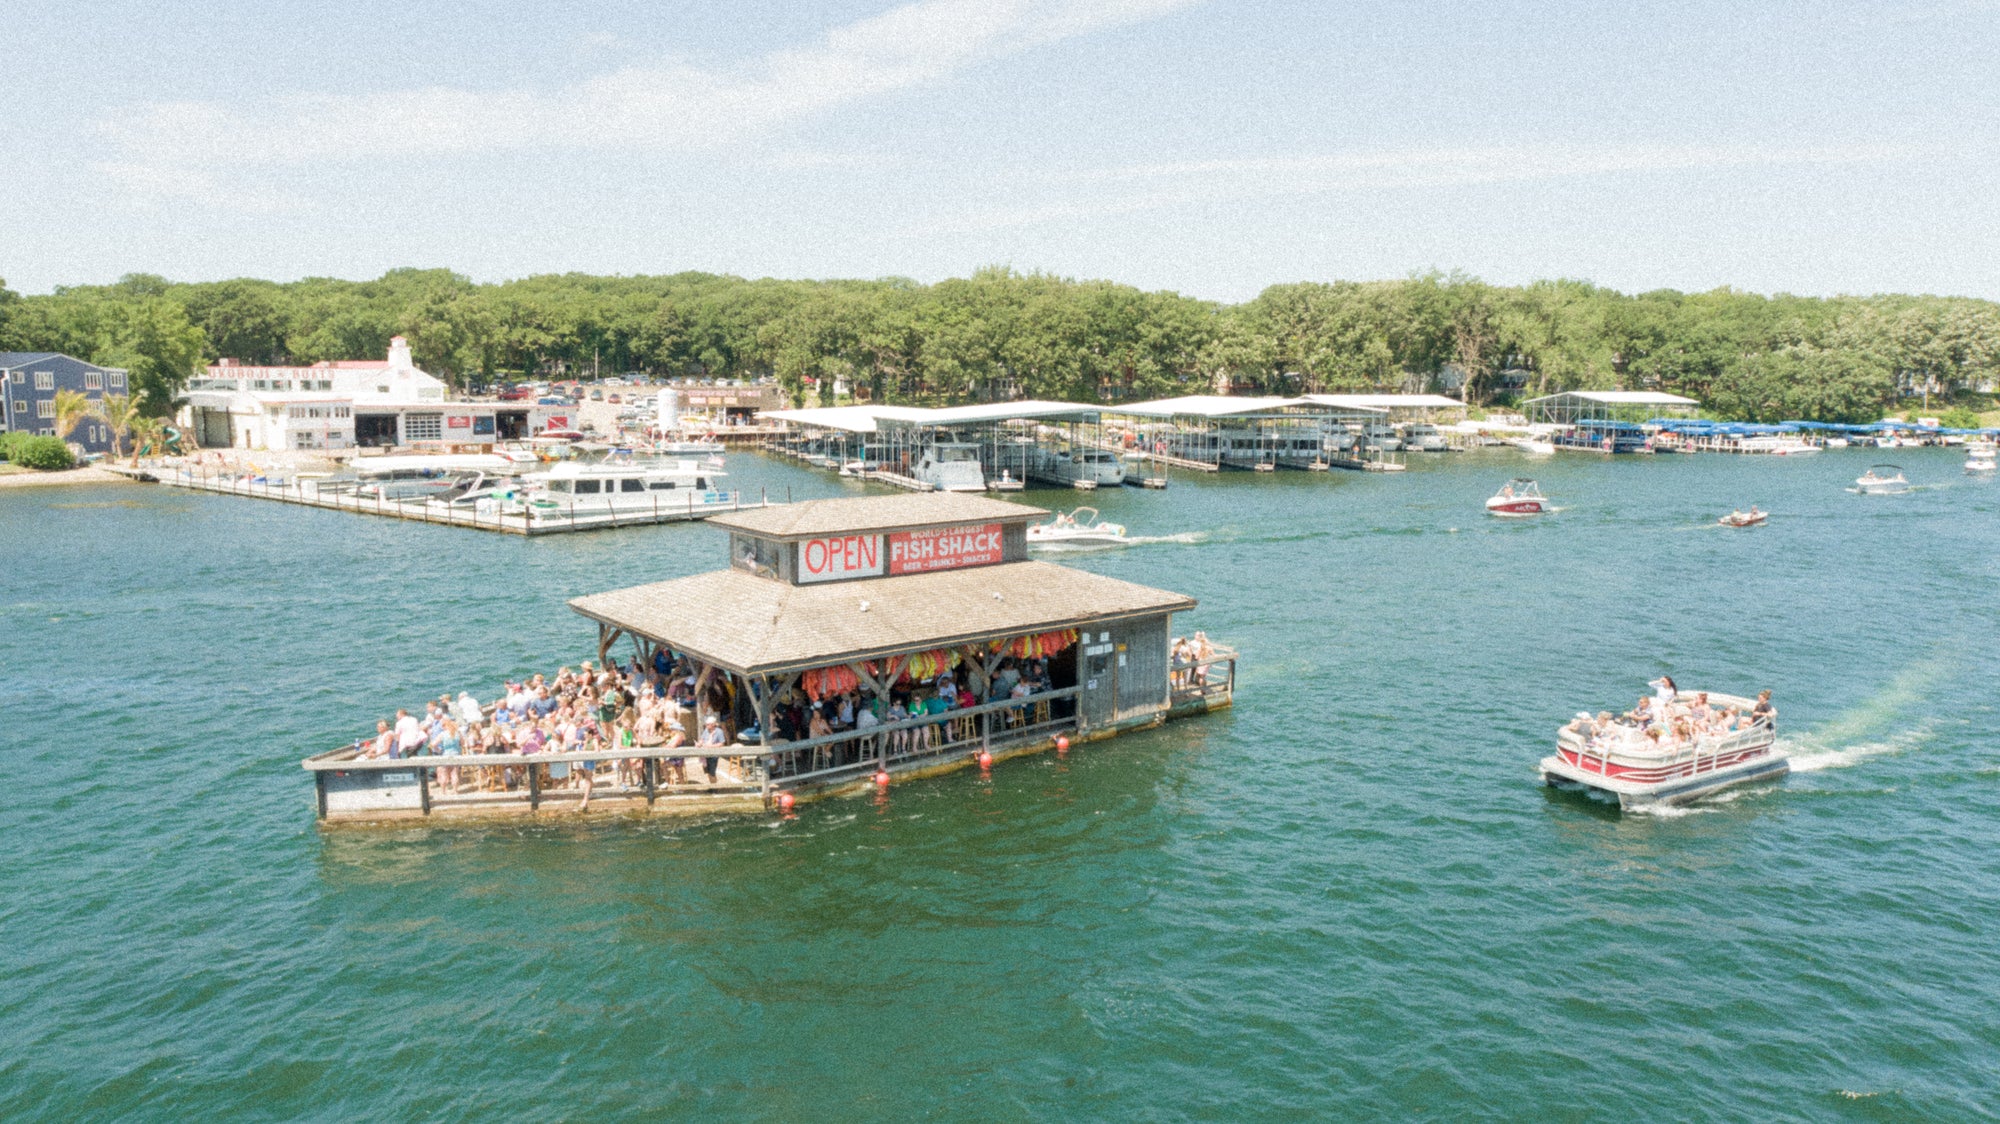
{"type": "Point", "coordinates": [1882, 480]}
{"type": "Point", "coordinates": [1622, 761]}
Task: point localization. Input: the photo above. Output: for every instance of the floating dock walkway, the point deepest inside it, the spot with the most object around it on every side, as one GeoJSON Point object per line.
{"type": "Point", "coordinates": [554, 523]}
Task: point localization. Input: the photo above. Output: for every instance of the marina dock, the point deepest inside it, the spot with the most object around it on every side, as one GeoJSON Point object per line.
{"type": "Point", "coordinates": [541, 523]}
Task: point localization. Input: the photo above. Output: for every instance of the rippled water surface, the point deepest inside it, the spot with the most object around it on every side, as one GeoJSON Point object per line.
{"type": "Point", "coordinates": [1348, 897]}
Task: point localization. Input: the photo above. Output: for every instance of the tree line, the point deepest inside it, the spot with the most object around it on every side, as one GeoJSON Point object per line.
{"type": "Point", "coordinates": [1001, 333]}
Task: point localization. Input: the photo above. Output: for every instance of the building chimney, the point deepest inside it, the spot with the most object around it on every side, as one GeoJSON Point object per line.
{"type": "Point", "coordinates": [399, 352]}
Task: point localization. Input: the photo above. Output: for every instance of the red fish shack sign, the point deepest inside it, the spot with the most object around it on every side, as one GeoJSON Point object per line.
{"type": "Point", "coordinates": [904, 552]}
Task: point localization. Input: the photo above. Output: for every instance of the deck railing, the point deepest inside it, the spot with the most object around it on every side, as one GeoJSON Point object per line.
{"type": "Point", "coordinates": [347, 783]}
{"type": "Point", "coordinates": [831, 758]}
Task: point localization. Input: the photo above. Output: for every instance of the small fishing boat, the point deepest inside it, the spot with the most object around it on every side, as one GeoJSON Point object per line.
{"type": "Point", "coordinates": [1749, 518]}
{"type": "Point", "coordinates": [1519, 496]}
{"type": "Point", "coordinates": [1081, 527]}
{"type": "Point", "coordinates": [1882, 480]}
{"type": "Point", "coordinates": [1620, 760]}
{"type": "Point", "coordinates": [1008, 482]}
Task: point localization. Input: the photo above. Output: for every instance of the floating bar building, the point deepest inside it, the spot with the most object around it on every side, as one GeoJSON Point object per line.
{"type": "Point", "coordinates": [879, 596]}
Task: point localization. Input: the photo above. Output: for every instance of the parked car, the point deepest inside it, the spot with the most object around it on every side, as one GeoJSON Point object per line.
{"type": "Point", "coordinates": [614, 381]}
{"type": "Point", "coordinates": [517, 393]}
{"type": "Point", "coordinates": [613, 399]}
{"type": "Point", "coordinates": [597, 396]}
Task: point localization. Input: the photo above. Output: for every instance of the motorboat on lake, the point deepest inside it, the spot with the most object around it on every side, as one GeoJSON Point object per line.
{"type": "Point", "coordinates": [951, 466]}
{"type": "Point", "coordinates": [1519, 496]}
{"type": "Point", "coordinates": [1750, 518]}
{"type": "Point", "coordinates": [1621, 761]}
{"type": "Point", "coordinates": [1978, 457]}
{"type": "Point", "coordinates": [420, 476]}
{"type": "Point", "coordinates": [1422, 437]}
{"type": "Point", "coordinates": [1081, 527]}
{"type": "Point", "coordinates": [1535, 446]}
{"type": "Point", "coordinates": [1882, 480]}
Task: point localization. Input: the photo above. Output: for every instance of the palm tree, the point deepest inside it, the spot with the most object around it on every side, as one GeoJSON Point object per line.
{"type": "Point", "coordinates": [145, 431]}
{"type": "Point", "coordinates": [119, 412]}
{"type": "Point", "coordinates": [72, 406]}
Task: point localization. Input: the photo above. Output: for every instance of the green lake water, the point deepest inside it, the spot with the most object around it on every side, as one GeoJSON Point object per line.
{"type": "Point", "coordinates": [1349, 897]}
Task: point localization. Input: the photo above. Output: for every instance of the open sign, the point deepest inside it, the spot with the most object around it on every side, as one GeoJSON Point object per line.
{"type": "Point", "coordinates": [840, 556]}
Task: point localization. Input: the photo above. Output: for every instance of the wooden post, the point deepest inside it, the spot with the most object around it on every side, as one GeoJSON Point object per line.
{"type": "Point", "coordinates": [652, 779]}
{"type": "Point", "coordinates": [534, 785]}
{"type": "Point", "coordinates": [319, 791]}
{"type": "Point", "coordinates": [424, 788]}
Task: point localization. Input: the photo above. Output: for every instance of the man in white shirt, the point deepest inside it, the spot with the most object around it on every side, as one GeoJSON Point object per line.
{"type": "Point", "coordinates": [409, 734]}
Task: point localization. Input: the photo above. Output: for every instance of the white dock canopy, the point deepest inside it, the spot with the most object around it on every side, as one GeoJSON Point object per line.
{"type": "Point", "coordinates": [1574, 406]}
{"type": "Point", "coordinates": [1208, 406]}
{"type": "Point", "coordinates": [1400, 405]}
{"type": "Point", "coordinates": [871, 419]}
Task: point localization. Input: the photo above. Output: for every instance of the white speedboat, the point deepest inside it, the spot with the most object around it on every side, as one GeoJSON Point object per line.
{"type": "Point", "coordinates": [1882, 480]}
{"type": "Point", "coordinates": [1519, 496]}
{"type": "Point", "coordinates": [421, 476]}
{"type": "Point", "coordinates": [1081, 527]}
{"type": "Point", "coordinates": [1750, 518]}
{"type": "Point", "coordinates": [1623, 762]}
{"type": "Point", "coordinates": [1535, 446]}
{"type": "Point", "coordinates": [573, 490]}
{"type": "Point", "coordinates": [1978, 458]}
{"type": "Point", "coordinates": [688, 447]}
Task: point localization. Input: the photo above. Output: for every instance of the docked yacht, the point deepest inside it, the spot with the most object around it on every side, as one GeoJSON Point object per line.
{"type": "Point", "coordinates": [1380, 435]}
{"type": "Point", "coordinates": [1422, 437]}
{"type": "Point", "coordinates": [1081, 527]}
{"type": "Point", "coordinates": [1622, 762]}
{"type": "Point", "coordinates": [1098, 467]}
{"type": "Point", "coordinates": [587, 491]}
{"type": "Point", "coordinates": [951, 467]}
{"type": "Point", "coordinates": [1882, 480]}
{"type": "Point", "coordinates": [1519, 496]}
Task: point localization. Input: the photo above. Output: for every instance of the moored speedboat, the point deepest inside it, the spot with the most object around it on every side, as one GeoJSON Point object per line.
{"type": "Point", "coordinates": [1519, 496]}
{"type": "Point", "coordinates": [1535, 446]}
{"type": "Point", "coordinates": [1622, 761]}
{"type": "Point", "coordinates": [1081, 527]}
{"type": "Point", "coordinates": [1882, 480]}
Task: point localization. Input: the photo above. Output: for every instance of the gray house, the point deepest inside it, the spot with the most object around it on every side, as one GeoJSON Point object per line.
{"type": "Point", "coordinates": [28, 384]}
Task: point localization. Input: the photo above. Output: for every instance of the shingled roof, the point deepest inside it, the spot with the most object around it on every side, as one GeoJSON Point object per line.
{"type": "Point", "coordinates": [868, 514]}
{"type": "Point", "coordinates": [760, 626]}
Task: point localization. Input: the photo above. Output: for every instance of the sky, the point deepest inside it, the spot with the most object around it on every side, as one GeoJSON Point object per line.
{"type": "Point", "coordinates": [1210, 148]}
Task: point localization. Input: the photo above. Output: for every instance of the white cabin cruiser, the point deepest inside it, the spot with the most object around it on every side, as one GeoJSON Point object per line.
{"type": "Point", "coordinates": [1621, 760]}
{"type": "Point", "coordinates": [1519, 496]}
{"type": "Point", "coordinates": [1882, 480]}
{"type": "Point", "coordinates": [587, 491]}
{"type": "Point", "coordinates": [1094, 466]}
{"type": "Point", "coordinates": [1081, 527]}
{"type": "Point", "coordinates": [1380, 435]}
{"type": "Point", "coordinates": [951, 467]}
{"type": "Point", "coordinates": [1423, 437]}
{"type": "Point", "coordinates": [420, 477]}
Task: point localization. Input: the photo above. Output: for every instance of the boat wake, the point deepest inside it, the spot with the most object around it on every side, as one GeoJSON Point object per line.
{"type": "Point", "coordinates": [1129, 540]}
{"type": "Point", "coordinates": [1859, 734]}
{"type": "Point", "coordinates": [1810, 755]}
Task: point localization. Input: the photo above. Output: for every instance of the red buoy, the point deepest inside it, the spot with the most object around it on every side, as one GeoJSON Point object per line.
{"type": "Point", "coordinates": [1062, 741]}
{"type": "Point", "coordinates": [785, 802]}
{"type": "Point", "coordinates": [881, 778]}
{"type": "Point", "coordinates": [985, 760]}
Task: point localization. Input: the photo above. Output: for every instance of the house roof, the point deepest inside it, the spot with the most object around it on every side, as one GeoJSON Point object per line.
{"type": "Point", "coordinates": [865, 514]}
{"type": "Point", "coordinates": [11, 359]}
{"type": "Point", "coordinates": [759, 626]}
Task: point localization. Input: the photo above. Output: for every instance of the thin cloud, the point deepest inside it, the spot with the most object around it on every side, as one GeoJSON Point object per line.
{"type": "Point", "coordinates": [643, 109]}
{"type": "Point", "coordinates": [1132, 189]}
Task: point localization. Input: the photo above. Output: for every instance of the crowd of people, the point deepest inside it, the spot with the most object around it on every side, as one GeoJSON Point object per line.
{"type": "Point", "coordinates": [1666, 720]}
{"type": "Point", "coordinates": [583, 710]}
{"type": "Point", "coordinates": [598, 709]}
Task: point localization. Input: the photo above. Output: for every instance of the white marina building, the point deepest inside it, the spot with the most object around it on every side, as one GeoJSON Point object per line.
{"type": "Point", "coordinates": [346, 404]}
